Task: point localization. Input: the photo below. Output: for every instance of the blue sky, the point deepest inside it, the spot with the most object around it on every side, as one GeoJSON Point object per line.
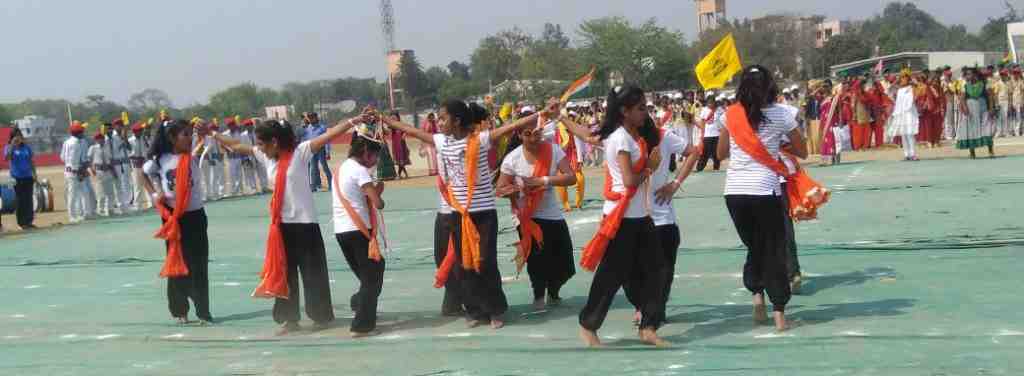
{"type": "Point", "coordinates": [192, 48]}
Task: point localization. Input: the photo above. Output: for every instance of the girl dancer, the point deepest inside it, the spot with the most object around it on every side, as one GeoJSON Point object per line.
{"type": "Point", "coordinates": [294, 245]}
{"type": "Point", "coordinates": [528, 174]}
{"type": "Point", "coordinates": [356, 201]}
{"type": "Point", "coordinates": [753, 137]}
{"type": "Point", "coordinates": [625, 244]}
{"type": "Point", "coordinates": [173, 182]}
{"type": "Point", "coordinates": [468, 190]}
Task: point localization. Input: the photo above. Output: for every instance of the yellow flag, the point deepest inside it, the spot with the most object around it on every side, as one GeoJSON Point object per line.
{"type": "Point", "coordinates": [720, 64]}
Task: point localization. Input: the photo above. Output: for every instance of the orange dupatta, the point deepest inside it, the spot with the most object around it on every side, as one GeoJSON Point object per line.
{"type": "Point", "coordinates": [174, 264]}
{"type": "Point", "coordinates": [805, 194]}
{"type": "Point", "coordinates": [274, 277]}
{"type": "Point", "coordinates": [529, 230]}
{"type": "Point", "coordinates": [470, 237]}
{"type": "Point", "coordinates": [593, 253]}
{"type": "Point", "coordinates": [373, 252]}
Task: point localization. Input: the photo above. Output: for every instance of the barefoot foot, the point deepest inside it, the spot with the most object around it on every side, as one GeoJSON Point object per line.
{"type": "Point", "coordinates": [590, 338]}
{"type": "Point", "coordinates": [497, 322]}
{"type": "Point", "coordinates": [650, 337]}
{"type": "Point", "coordinates": [288, 328]}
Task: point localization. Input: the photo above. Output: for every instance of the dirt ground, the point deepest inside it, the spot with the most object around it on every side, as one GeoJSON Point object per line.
{"type": "Point", "coordinates": [419, 178]}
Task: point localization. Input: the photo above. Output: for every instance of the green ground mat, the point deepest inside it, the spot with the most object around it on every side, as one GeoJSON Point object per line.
{"type": "Point", "coordinates": [912, 270]}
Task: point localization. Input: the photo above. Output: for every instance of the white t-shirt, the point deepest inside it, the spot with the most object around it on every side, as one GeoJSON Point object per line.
{"type": "Point", "coordinates": [298, 198]}
{"type": "Point", "coordinates": [353, 176]}
{"type": "Point", "coordinates": [711, 129]}
{"type": "Point", "coordinates": [746, 176]}
{"type": "Point", "coordinates": [99, 156]}
{"type": "Point", "coordinates": [515, 164]}
{"type": "Point", "coordinates": [670, 144]}
{"type": "Point", "coordinates": [164, 174]}
{"type": "Point", "coordinates": [452, 154]}
{"type": "Point", "coordinates": [621, 141]}
{"type": "Point", "coordinates": [443, 207]}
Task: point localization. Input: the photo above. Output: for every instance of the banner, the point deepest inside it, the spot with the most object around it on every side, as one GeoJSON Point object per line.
{"type": "Point", "coordinates": [720, 64]}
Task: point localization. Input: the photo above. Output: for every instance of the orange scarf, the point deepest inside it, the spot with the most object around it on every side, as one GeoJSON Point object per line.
{"type": "Point", "coordinates": [805, 194]}
{"type": "Point", "coordinates": [274, 277]}
{"type": "Point", "coordinates": [529, 231]}
{"type": "Point", "coordinates": [444, 270]}
{"type": "Point", "coordinates": [470, 237]}
{"type": "Point", "coordinates": [374, 250]}
{"type": "Point", "coordinates": [174, 264]}
{"type": "Point", "coordinates": [593, 253]}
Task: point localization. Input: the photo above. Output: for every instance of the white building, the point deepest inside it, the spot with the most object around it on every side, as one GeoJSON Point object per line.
{"type": "Point", "coordinates": [39, 133]}
{"type": "Point", "coordinates": [1015, 34]}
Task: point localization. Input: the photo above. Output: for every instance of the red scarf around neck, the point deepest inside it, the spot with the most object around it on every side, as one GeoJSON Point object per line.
{"type": "Point", "coordinates": [174, 263]}
{"type": "Point", "coordinates": [274, 277]}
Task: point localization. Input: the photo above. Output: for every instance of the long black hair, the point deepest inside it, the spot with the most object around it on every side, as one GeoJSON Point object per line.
{"type": "Point", "coordinates": [620, 98]}
{"type": "Point", "coordinates": [15, 132]}
{"type": "Point", "coordinates": [757, 90]}
{"type": "Point", "coordinates": [163, 143]}
{"type": "Point", "coordinates": [280, 131]}
{"type": "Point", "coordinates": [478, 113]}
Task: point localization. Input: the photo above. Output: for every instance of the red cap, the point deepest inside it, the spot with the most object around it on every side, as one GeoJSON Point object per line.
{"type": "Point", "coordinates": [98, 136]}
{"type": "Point", "coordinates": [213, 126]}
{"type": "Point", "coordinates": [118, 122]}
{"type": "Point", "coordinates": [249, 122]}
{"type": "Point", "coordinates": [137, 127]}
{"type": "Point", "coordinates": [229, 121]}
{"type": "Point", "coordinates": [76, 128]}
{"type": "Point", "coordinates": [1004, 72]}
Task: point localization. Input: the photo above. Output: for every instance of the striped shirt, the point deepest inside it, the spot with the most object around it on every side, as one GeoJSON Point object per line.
{"type": "Point", "coordinates": [452, 154]}
{"type": "Point", "coordinates": [745, 175]}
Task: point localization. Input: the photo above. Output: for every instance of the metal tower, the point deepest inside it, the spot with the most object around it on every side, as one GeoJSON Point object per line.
{"type": "Point", "coordinates": [387, 25]}
{"type": "Point", "coordinates": [387, 30]}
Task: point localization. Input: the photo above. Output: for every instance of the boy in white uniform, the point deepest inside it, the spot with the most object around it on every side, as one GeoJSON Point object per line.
{"type": "Point", "coordinates": [211, 163]}
{"type": "Point", "coordinates": [234, 159]}
{"type": "Point", "coordinates": [99, 156]}
{"type": "Point", "coordinates": [139, 147]}
{"type": "Point", "coordinates": [74, 153]}
{"type": "Point", "coordinates": [120, 149]}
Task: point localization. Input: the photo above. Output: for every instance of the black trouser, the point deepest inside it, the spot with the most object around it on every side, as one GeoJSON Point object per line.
{"type": "Point", "coordinates": [793, 261]}
{"type": "Point", "coordinates": [635, 251]}
{"type": "Point", "coordinates": [452, 303]}
{"type": "Point", "coordinates": [195, 249]}
{"type": "Point", "coordinates": [23, 193]}
{"type": "Point", "coordinates": [481, 292]}
{"type": "Point", "coordinates": [668, 236]}
{"type": "Point", "coordinates": [552, 265]}
{"type": "Point", "coordinates": [710, 152]}
{"type": "Point", "coordinates": [370, 274]}
{"type": "Point", "coordinates": [760, 224]}
{"type": "Point", "coordinates": [304, 247]}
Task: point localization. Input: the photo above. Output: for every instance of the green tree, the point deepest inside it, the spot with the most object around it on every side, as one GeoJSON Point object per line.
{"type": "Point", "coordinates": [149, 100]}
{"type": "Point", "coordinates": [993, 34]}
{"type": "Point", "coordinates": [550, 56]}
{"type": "Point", "coordinates": [412, 81]}
{"type": "Point", "coordinates": [6, 116]}
{"type": "Point", "coordinates": [498, 56]}
{"type": "Point", "coordinates": [648, 54]}
{"type": "Point", "coordinates": [458, 70]}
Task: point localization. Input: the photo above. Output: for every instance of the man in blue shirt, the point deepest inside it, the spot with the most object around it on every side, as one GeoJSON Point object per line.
{"type": "Point", "coordinates": [314, 129]}
{"type": "Point", "coordinates": [19, 154]}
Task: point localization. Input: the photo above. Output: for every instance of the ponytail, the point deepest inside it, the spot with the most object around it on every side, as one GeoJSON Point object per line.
{"type": "Point", "coordinates": [279, 131]}
{"type": "Point", "coordinates": [163, 143]}
{"type": "Point", "coordinates": [618, 99]}
{"type": "Point", "coordinates": [757, 90]}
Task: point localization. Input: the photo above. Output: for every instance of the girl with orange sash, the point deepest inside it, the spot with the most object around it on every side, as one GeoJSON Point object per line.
{"type": "Point", "coordinates": [467, 187]}
{"type": "Point", "coordinates": [626, 245]}
{"type": "Point", "coordinates": [356, 200]}
{"type": "Point", "coordinates": [174, 185]}
{"type": "Point", "coordinates": [753, 136]}
{"type": "Point", "coordinates": [528, 175]}
{"type": "Point", "coordinates": [294, 244]}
